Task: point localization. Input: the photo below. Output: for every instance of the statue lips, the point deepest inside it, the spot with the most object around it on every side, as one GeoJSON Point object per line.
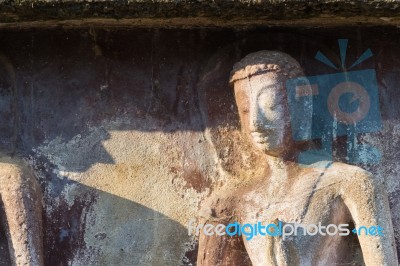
{"type": "Point", "coordinates": [262, 135]}
{"type": "Point", "coordinates": [259, 137]}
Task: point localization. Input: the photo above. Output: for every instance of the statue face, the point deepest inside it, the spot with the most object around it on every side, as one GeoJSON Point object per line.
{"type": "Point", "coordinates": [262, 108]}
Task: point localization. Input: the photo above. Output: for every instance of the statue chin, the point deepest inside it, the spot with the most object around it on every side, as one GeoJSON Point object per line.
{"type": "Point", "coordinates": [269, 148]}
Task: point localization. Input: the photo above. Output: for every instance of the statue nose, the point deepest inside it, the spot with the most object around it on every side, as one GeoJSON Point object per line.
{"type": "Point", "coordinates": [257, 118]}
{"type": "Point", "coordinates": [256, 122]}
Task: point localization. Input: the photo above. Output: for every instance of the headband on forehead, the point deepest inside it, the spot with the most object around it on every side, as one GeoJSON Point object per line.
{"type": "Point", "coordinates": [263, 62]}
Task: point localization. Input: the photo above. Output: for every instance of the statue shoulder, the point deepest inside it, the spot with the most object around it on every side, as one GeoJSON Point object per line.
{"type": "Point", "coordinates": [352, 174]}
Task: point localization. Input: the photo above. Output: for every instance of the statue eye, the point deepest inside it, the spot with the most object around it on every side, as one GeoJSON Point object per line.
{"type": "Point", "coordinates": [274, 105]}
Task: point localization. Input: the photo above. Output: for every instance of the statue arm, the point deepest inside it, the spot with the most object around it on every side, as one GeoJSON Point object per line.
{"type": "Point", "coordinates": [367, 201]}
{"type": "Point", "coordinates": [22, 205]}
{"type": "Point", "coordinates": [211, 249]}
{"type": "Point", "coordinates": [221, 250]}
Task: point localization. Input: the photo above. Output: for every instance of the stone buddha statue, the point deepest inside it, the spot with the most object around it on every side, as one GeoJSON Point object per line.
{"type": "Point", "coordinates": [323, 193]}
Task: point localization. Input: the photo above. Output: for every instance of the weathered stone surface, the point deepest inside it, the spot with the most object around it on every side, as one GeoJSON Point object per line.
{"type": "Point", "coordinates": [193, 13]}
{"type": "Point", "coordinates": [21, 202]}
{"type": "Point", "coordinates": [129, 130]}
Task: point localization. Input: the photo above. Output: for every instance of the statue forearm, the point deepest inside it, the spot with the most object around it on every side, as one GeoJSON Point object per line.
{"type": "Point", "coordinates": [221, 251]}
{"type": "Point", "coordinates": [368, 204]}
{"type": "Point", "coordinates": [22, 206]}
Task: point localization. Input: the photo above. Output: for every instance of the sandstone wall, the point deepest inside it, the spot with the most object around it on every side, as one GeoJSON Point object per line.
{"type": "Point", "coordinates": [128, 130]}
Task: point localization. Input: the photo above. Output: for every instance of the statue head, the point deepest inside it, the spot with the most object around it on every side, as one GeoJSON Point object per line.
{"type": "Point", "coordinates": [259, 81]}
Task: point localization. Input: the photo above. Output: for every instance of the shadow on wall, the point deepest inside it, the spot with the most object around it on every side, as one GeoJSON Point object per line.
{"type": "Point", "coordinates": [4, 253]}
{"type": "Point", "coordinates": [103, 229]}
{"type": "Point", "coordinates": [72, 88]}
{"type": "Point", "coordinates": [98, 228]}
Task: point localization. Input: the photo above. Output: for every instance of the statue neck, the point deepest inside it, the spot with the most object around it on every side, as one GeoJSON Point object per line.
{"type": "Point", "coordinates": [278, 167]}
{"type": "Point", "coordinates": [278, 175]}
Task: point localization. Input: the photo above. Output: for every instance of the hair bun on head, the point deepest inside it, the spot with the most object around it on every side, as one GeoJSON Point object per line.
{"type": "Point", "coordinates": [265, 61]}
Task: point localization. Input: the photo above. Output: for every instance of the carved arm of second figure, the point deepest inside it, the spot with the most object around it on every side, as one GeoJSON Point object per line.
{"type": "Point", "coordinates": [21, 202]}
